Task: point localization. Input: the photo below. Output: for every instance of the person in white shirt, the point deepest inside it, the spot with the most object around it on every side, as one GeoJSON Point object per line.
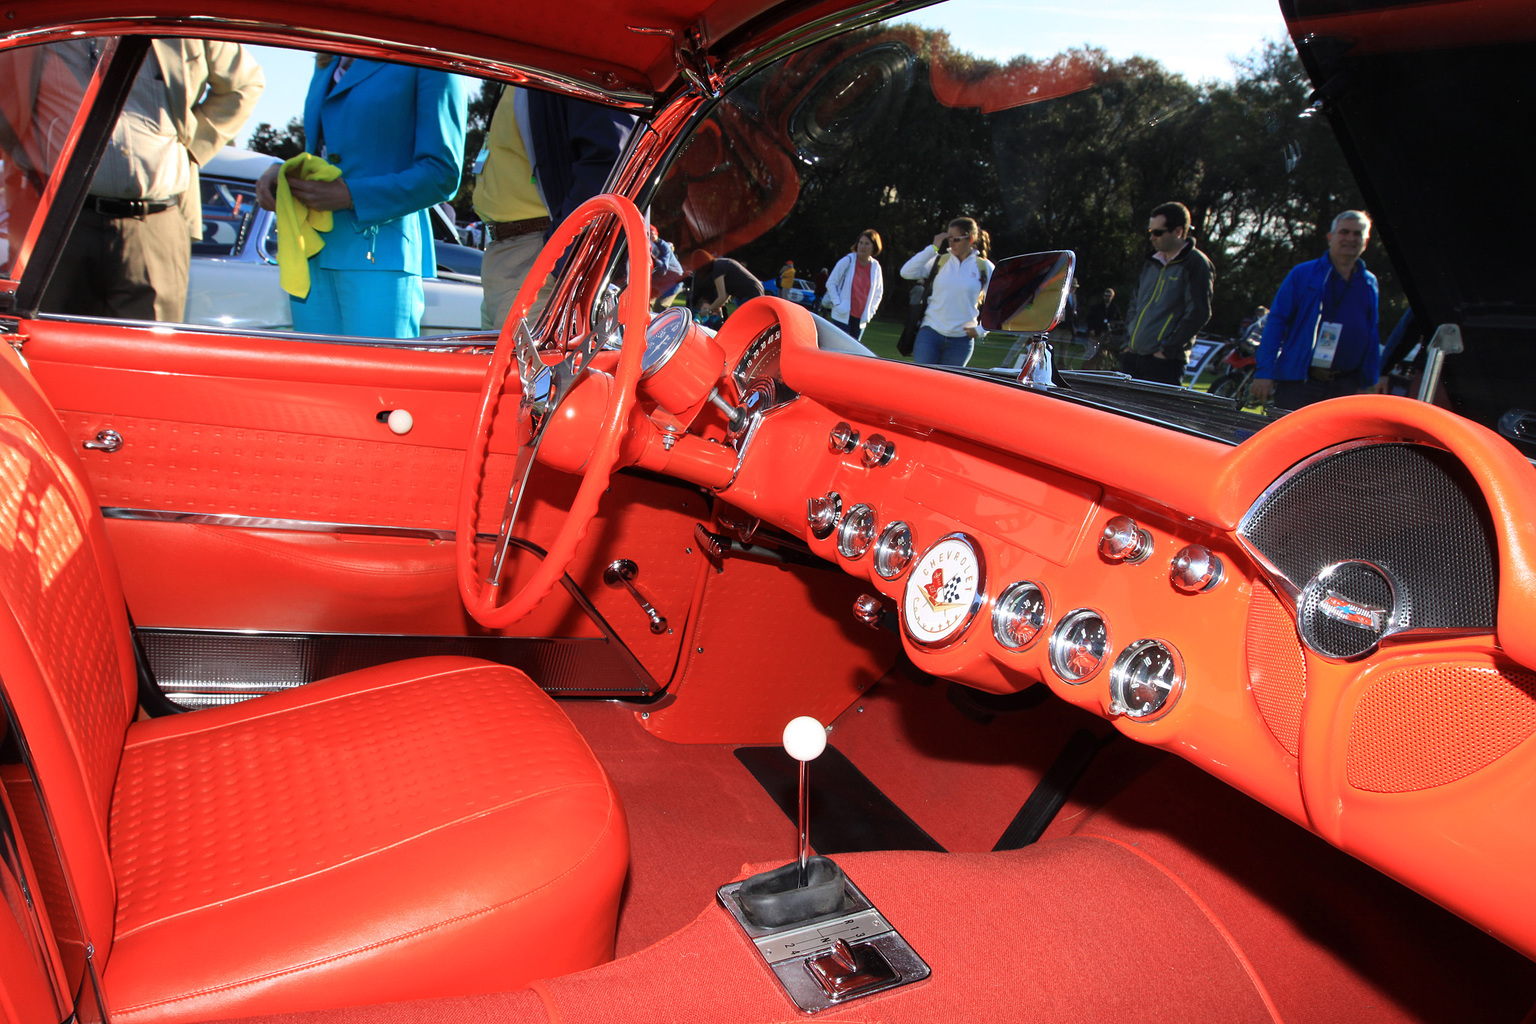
{"type": "Point", "coordinates": [857, 284]}
{"type": "Point", "coordinates": [949, 331]}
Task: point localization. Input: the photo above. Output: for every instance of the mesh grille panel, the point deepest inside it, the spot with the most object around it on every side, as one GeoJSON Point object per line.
{"type": "Point", "coordinates": [1413, 510]}
{"type": "Point", "coordinates": [1424, 727]}
{"type": "Point", "coordinates": [1276, 668]}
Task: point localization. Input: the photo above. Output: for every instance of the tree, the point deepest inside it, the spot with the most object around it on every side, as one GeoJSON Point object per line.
{"type": "Point", "coordinates": [285, 143]}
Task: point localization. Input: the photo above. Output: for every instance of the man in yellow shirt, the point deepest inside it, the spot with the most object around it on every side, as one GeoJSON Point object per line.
{"type": "Point", "coordinates": [544, 155]}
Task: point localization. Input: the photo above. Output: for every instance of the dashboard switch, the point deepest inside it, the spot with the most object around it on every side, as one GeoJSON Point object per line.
{"type": "Point", "coordinates": [822, 514]}
{"type": "Point", "coordinates": [1124, 541]}
{"type": "Point", "coordinates": [1195, 568]}
{"type": "Point", "coordinates": [844, 439]}
{"type": "Point", "coordinates": [868, 609]}
{"type": "Point", "coordinates": [878, 451]}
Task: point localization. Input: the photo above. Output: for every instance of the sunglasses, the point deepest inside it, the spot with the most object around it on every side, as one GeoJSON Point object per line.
{"type": "Point", "coordinates": [1160, 232]}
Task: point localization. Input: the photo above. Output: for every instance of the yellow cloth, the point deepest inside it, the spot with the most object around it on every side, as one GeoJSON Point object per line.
{"type": "Point", "coordinates": [504, 189]}
{"type": "Point", "coordinates": [299, 227]}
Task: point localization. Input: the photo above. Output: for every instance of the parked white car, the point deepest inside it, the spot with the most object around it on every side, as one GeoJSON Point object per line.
{"type": "Point", "coordinates": [233, 280]}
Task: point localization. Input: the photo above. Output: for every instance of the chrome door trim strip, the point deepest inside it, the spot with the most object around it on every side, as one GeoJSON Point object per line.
{"type": "Point", "coordinates": [422, 533]}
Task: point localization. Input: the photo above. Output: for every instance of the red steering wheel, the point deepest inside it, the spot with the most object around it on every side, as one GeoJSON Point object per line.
{"type": "Point", "coordinates": [482, 592]}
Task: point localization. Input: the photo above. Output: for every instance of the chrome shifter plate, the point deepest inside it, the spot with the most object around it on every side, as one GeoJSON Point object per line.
{"type": "Point", "coordinates": [788, 951]}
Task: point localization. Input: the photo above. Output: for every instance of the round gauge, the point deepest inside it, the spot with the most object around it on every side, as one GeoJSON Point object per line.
{"type": "Point", "coordinates": [1019, 615]}
{"type": "Point", "coordinates": [662, 338]}
{"type": "Point", "coordinates": [893, 551]}
{"type": "Point", "coordinates": [944, 591]}
{"type": "Point", "coordinates": [856, 532]}
{"type": "Point", "coordinates": [1079, 645]}
{"type": "Point", "coordinates": [1145, 680]}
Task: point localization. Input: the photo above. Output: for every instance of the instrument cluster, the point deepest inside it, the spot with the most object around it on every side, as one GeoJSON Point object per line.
{"type": "Point", "coordinates": [955, 608]}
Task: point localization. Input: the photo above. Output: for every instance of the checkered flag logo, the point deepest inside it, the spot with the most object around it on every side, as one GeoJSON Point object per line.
{"type": "Point", "coordinates": [949, 593]}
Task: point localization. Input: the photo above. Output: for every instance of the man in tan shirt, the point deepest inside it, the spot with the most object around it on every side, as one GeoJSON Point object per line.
{"type": "Point", "coordinates": [129, 252]}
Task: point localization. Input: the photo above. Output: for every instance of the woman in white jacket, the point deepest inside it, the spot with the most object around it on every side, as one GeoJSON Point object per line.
{"type": "Point", "coordinates": [857, 285]}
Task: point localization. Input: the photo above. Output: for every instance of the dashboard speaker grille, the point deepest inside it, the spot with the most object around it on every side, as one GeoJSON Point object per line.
{"type": "Point", "coordinates": [1417, 728]}
{"type": "Point", "coordinates": [1413, 510]}
{"type": "Point", "coordinates": [1276, 669]}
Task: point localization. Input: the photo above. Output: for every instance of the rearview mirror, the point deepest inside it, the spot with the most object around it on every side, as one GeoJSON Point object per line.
{"type": "Point", "coordinates": [1028, 294]}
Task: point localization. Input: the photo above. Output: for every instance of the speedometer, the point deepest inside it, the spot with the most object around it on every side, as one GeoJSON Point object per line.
{"type": "Point", "coordinates": [944, 591]}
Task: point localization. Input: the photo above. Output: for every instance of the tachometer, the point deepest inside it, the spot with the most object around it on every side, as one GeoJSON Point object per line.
{"type": "Point", "coordinates": [944, 591]}
{"type": "Point", "coordinates": [682, 361]}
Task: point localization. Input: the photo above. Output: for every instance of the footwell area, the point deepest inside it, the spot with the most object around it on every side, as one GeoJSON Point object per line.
{"type": "Point", "coordinates": [1322, 937]}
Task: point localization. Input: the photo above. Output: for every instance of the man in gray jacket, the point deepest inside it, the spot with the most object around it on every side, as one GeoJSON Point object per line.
{"type": "Point", "coordinates": [1172, 301]}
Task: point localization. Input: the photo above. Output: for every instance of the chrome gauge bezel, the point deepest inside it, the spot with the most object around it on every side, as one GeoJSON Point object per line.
{"type": "Point", "coordinates": [890, 560]}
{"type": "Point", "coordinates": [1014, 592]}
{"type": "Point", "coordinates": [856, 531]}
{"type": "Point", "coordinates": [682, 313]}
{"type": "Point", "coordinates": [928, 638]}
{"type": "Point", "coordinates": [1121, 679]}
{"type": "Point", "coordinates": [1060, 649]}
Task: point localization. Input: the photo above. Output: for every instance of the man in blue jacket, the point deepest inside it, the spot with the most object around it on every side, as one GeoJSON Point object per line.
{"type": "Point", "coordinates": [1321, 339]}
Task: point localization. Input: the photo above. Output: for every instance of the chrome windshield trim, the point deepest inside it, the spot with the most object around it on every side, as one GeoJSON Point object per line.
{"type": "Point", "coordinates": [612, 93]}
{"type": "Point", "coordinates": [436, 343]}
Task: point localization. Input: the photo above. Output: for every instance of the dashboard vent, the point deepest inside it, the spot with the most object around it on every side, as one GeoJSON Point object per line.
{"type": "Point", "coordinates": [1411, 510]}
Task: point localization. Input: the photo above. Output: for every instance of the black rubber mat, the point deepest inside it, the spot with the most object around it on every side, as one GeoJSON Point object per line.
{"type": "Point", "coordinates": [849, 814]}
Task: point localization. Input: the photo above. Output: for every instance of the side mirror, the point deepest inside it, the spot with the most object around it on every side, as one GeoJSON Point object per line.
{"type": "Point", "coordinates": [1028, 294]}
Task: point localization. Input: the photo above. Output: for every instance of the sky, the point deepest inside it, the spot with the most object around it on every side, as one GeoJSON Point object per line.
{"type": "Point", "coordinates": [1198, 38]}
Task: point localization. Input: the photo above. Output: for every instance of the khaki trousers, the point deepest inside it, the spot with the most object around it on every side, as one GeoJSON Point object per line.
{"type": "Point", "coordinates": [502, 269]}
{"type": "Point", "coordinates": [133, 268]}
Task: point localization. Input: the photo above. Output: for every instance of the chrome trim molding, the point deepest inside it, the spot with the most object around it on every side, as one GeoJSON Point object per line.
{"type": "Point", "coordinates": [308, 526]}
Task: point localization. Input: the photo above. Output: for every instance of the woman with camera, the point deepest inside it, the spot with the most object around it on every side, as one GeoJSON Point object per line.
{"type": "Point", "coordinates": [957, 269]}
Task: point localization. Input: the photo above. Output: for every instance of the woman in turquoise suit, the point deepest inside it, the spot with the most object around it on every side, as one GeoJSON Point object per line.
{"type": "Point", "coordinates": [397, 135]}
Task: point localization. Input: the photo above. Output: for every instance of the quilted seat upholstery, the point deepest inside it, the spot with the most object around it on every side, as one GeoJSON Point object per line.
{"type": "Point", "coordinates": [424, 828]}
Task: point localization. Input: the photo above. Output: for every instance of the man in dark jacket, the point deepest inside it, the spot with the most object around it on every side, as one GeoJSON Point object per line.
{"type": "Point", "coordinates": [1172, 301]}
{"type": "Point", "coordinates": [544, 156]}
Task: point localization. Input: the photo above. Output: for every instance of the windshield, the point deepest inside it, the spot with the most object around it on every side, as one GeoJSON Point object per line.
{"type": "Point", "coordinates": [886, 173]}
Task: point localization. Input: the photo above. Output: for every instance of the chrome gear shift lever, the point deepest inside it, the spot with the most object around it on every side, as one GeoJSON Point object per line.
{"type": "Point", "coordinates": [804, 740]}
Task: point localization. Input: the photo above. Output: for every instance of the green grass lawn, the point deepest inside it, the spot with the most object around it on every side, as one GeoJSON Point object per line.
{"type": "Point", "coordinates": [880, 336]}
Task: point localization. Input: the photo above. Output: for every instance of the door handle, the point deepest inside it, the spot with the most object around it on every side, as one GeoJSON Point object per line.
{"type": "Point", "coordinates": [106, 441]}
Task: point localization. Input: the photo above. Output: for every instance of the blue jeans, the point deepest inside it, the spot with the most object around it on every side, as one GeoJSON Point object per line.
{"type": "Point", "coordinates": [934, 348]}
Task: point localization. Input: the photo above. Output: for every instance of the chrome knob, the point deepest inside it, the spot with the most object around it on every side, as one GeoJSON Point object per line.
{"type": "Point", "coordinates": [844, 439]}
{"type": "Point", "coordinates": [868, 609]}
{"type": "Point", "coordinates": [877, 451]}
{"type": "Point", "coordinates": [822, 514]}
{"type": "Point", "coordinates": [1195, 568]}
{"type": "Point", "coordinates": [1124, 541]}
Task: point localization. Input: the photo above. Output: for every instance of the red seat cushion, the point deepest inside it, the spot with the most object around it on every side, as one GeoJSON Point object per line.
{"type": "Point", "coordinates": [423, 828]}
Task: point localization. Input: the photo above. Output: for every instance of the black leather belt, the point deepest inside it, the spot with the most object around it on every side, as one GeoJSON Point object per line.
{"type": "Point", "coordinates": [109, 207]}
{"type": "Point", "coordinates": [501, 230]}
{"type": "Point", "coordinates": [1319, 374]}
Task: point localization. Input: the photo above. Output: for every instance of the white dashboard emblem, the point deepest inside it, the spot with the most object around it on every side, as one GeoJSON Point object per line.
{"type": "Point", "coordinates": [943, 591]}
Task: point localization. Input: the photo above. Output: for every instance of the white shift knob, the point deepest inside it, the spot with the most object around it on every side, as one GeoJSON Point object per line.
{"type": "Point", "coordinates": [400, 421]}
{"type": "Point", "coordinates": [805, 738]}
